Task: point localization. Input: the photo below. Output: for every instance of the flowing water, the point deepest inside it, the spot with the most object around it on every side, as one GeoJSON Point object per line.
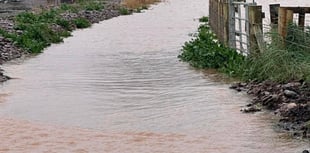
{"type": "Point", "coordinates": [118, 87]}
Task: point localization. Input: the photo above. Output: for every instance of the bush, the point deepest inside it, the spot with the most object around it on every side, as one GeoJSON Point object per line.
{"type": "Point", "coordinates": [204, 51]}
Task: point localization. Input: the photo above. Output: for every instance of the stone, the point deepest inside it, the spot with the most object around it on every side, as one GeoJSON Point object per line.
{"type": "Point", "coordinates": [290, 94]}
{"type": "Point", "coordinates": [292, 84]}
{"type": "Point", "coordinates": [291, 105]}
{"type": "Point", "coordinates": [251, 109]}
{"type": "Point", "coordinates": [305, 151]}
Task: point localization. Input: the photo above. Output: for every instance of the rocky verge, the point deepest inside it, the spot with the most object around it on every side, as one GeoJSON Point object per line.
{"type": "Point", "coordinates": [290, 101]}
{"type": "Point", "coordinates": [9, 50]}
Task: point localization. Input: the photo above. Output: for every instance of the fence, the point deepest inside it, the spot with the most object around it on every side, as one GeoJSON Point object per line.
{"type": "Point", "coordinates": [219, 16]}
{"type": "Point", "coordinates": [237, 24]}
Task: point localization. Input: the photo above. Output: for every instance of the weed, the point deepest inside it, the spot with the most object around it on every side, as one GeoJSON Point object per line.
{"type": "Point", "coordinates": [204, 19]}
{"type": "Point", "coordinates": [204, 51]}
{"type": "Point", "coordinates": [135, 4]}
{"type": "Point", "coordinates": [92, 6]}
{"type": "Point", "coordinates": [81, 23]}
{"type": "Point", "coordinates": [64, 24]}
{"type": "Point", "coordinates": [124, 11]}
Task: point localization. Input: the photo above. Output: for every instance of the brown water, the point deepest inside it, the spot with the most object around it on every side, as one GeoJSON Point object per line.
{"type": "Point", "coordinates": [118, 87]}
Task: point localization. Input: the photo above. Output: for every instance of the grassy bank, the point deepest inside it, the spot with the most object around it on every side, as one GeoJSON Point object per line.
{"type": "Point", "coordinates": [279, 63]}
{"type": "Point", "coordinates": [33, 31]}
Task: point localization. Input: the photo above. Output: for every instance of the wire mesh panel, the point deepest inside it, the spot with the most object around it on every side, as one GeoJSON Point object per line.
{"type": "Point", "coordinates": [239, 28]}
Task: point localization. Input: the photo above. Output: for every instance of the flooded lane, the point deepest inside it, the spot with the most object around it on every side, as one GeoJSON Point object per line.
{"type": "Point", "coordinates": [118, 87]}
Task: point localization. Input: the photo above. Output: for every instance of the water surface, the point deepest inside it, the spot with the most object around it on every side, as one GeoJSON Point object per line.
{"type": "Point", "coordinates": [121, 78]}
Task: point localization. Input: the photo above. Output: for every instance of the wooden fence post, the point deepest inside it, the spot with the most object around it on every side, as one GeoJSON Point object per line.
{"type": "Point", "coordinates": [231, 23]}
{"type": "Point", "coordinates": [255, 26]}
{"type": "Point", "coordinates": [274, 13]}
{"type": "Point", "coordinates": [282, 28]}
{"type": "Point", "coordinates": [226, 23]}
{"type": "Point", "coordinates": [301, 20]}
{"type": "Point", "coordinates": [289, 16]}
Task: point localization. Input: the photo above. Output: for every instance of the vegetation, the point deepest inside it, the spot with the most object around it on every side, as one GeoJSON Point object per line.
{"type": "Point", "coordinates": [35, 31]}
{"type": "Point", "coordinates": [283, 61]}
{"type": "Point", "coordinates": [138, 4]}
{"type": "Point", "coordinates": [204, 51]}
{"type": "Point", "coordinates": [124, 11]}
{"type": "Point", "coordinates": [81, 23]}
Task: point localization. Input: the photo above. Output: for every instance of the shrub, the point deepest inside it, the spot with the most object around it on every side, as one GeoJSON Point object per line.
{"type": "Point", "coordinates": [204, 51]}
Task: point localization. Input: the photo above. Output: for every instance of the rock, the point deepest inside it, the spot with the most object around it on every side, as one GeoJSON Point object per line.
{"type": "Point", "coordinates": [251, 109]}
{"type": "Point", "coordinates": [291, 105]}
{"type": "Point", "coordinates": [290, 94]}
{"type": "Point", "coordinates": [291, 84]}
{"type": "Point", "coordinates": [285, 108]}
{"type": "Point", "coordinates": [305, 151]}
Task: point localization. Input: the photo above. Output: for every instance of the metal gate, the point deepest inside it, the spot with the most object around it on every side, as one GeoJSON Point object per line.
{"type": "Point", "coordinates": [239, 31]}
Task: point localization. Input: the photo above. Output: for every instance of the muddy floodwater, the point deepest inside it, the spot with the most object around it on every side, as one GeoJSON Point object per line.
{"type": "Point", "coordinates": [119, 87]}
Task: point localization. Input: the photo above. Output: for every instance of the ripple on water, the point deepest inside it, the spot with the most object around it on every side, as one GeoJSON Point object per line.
{"type": "Point", "coordinates": [121, 81]}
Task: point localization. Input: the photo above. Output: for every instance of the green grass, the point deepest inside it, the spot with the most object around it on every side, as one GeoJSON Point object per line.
{"type": "Point", "coordinates": [81, 23]}
{"type": "Point", "coordinates": [124, 11]}
{"type": "Point", "coordinates": [279, 63]}
{"type": "Point", "coordinates": [282, 63]}
{"type": "Point", "coordinates": [37, 32]}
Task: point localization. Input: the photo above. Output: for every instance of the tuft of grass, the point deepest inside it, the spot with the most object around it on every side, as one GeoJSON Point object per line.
{"type": "Point", "coordinates": [282, 63]}
{"type": "Point", "coordinates": [204, 19]}
{"type": "Point", "coordinates": [81, 23]}
{"type": "Point", "coordinates": [94, 6]}
{"type": "Point", "coordinates": [69, 8]}
{"type": "Point", "coordinates": [124, 11]}
{"type": "Point", "coordinates": [64, 24]}
{"type": "Point", "coordinates": [135, 4]}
